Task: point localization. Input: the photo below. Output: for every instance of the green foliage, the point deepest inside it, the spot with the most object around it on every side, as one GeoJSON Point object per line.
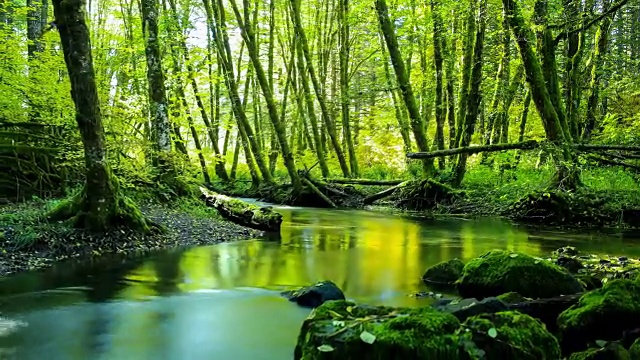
{"type": "Point", "coordinates": [23, 225]}
{"type": "Point", "coordinates": [497, 272]}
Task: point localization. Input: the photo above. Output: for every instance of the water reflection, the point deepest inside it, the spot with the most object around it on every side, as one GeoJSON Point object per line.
{"type": "Point", "coordinates": [222, 301]}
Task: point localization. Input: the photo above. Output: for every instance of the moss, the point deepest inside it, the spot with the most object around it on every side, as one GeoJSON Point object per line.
{"type": "Point", "coordinates": [602, 314]}
{"type": "Point", "coordinates": [512, 298]}
{"type": "Point", "coordinates": [634, 350]}
{"type": "Point", "coordinates": [517, 336]}
{"type": "Point", "coordinates": [497, 272]}
{"type": "Point", "coordinates": [446, 272]}
{"type": "Point", "coordinates": [399, 333]}
{"type": "Point", "coordinates": [589, 282]}
{"type": "Point", "coordinates": [612, 351]}
{"type": "Point", "coordinates": [561, 208]}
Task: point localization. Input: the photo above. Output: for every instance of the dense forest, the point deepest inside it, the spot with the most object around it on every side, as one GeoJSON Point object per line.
{"type": "Point", "coordinates": [473, 107]}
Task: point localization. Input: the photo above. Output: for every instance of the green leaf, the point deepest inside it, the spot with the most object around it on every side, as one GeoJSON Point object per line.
{"type": "Point", "coordinates": [367, 337]}
{"type": "Point", "coordinates": [335, 315]}
{"type": "Point", "coordinates": [493, 333]}
{"type": "Point", "coordinates": [601, 343]}
{"type": "Point", "coordinates": [514, 255]}
{"type": "Point", "coordinates": [325, 348]}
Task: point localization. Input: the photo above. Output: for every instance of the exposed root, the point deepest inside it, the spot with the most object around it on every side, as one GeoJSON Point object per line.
{"type": "Point", "coordinates": [426, 195]}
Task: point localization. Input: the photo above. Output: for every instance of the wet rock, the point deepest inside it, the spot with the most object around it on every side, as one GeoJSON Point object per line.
{"type": "Point", "coordinates": [444, 273]}
{"type": "Point", "coordinates": [344, 330]}
{"type": "Point", "coordinates": [566, 251]}
{"type": "Point", "coordinates": [611, 351]}
{"type": "Point", "coordinates": [602, 314]}
{"type": "Point", "coordinates": [488, 306]}
{"type": "Point", "coordinates": [572, 264]}
{"type": "Point", "coordinates": [315, 295]}
{"type": "Point", "coordinates": [497, 272]}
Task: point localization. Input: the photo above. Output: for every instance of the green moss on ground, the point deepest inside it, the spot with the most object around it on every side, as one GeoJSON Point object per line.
{"type": "Point", "coordinates": [512, 298]}
{"type": "Point", "coordinates": [511, 335]}
{"type": "Point", "coordinates": [602, 314]}
{"type": "Point", "coordinates": [497, 272]}
{"type": "Point", "coordinates": [444, 273]}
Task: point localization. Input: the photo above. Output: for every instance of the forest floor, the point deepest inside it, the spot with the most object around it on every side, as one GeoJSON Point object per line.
{"type": "Point", "coordinates": [29, 242]}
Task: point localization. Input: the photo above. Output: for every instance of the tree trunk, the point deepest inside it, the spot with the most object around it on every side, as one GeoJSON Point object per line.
{"type": "Point", "coordinates": [345, 97]}
{"type": "Point", "coordinates": [467, 64]}
{"type": "Point", "coordinates": [326, 116]}
{"type": "Point", "coordinates": [494, 126]}
{"type": "Point", "coordinates": [523, 121]}
{"type": "Point", "coordinates": [437, 57]}
{"type": "Point", "coordinates": [161, 129]}
{"type": "Point", "coordinates": [417, 122]}
{"type": "Point", "coordinates": [99, 205]}
{"type": "Point", "coordinates": [36, 9]}
{"type": "Point", "coordinates": [474, 94]}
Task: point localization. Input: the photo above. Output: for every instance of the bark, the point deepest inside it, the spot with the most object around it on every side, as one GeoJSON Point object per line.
{"type": "Point", "coordinates": [383, 194]}
{"type": "Point", "coordinates": [317, 191]}
{"type": "Point", "coordinates": [473, 104]}
{"type": "Point", "coordinates": [597, 73]}
{"type": "Point", "coordinates": [100, 204]}
{"type": "Point", "coordinates": [469, 150]}
{"type": "Point", "coordinates": [494, 126]}
{"type": "Point", "coordinates": [364, 182]}
{"type": "Point", "coordinates": [500, 131]}
{"type": "Point", "coordinates": [326, 116]}
{"type": "Point", "coordinates": [523, 121]}
{"type": "Point", "coordinates": [466, 69]}
{"type": "Point", "coordinates": [417, 122]}
{"type": "Point", "coordinates": [36, 9]}
{"type": "Point", "coordinates": [161, 130]}
{"type": "Point", "coordinates": [345, 97]}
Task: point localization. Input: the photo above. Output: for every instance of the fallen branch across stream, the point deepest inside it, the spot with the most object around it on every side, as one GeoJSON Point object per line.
{"type": "Point", "coordinates": [364, 182]}
{"type": "Point", "coordinates": [382, 194]}
{"type": "Point", "coordinates": [242, 213]}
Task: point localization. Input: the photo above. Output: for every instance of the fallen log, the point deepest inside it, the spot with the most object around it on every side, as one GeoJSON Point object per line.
{"type": "Point", "coordinates": [590, 147]}
{"type": "Point", "coordinates": [382, 194]}
{"type": "Point", "coordinates": [525, 145]}
{"type": "Point", "coordinates": [364, 182]}
{"type": "Point", "coordinates": [242, 213]}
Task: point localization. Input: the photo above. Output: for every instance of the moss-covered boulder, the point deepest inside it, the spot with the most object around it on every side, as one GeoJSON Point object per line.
{"type": "Point", "coordinates": [497, 272]}
{"type": "Point", "coordinates": [612, 351]}
{"type": "Point", "coordinates": [589, 282]}
{"type": "Point", "coordinates": [511, 335]}
{"type": "Point", "coordinates": [634, 350]}
{"type": "Point", "coordinates": [444, 273]}
{"type": "Point", "coordinates": [602, 314]}
{"type": "Point", "coordinates": [343, 330]}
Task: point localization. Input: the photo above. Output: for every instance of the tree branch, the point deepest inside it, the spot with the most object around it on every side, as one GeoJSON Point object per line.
{"type": "Point", "coordinates": [526, 145]}
{"type": "Point", "coordinates": [591, 22]}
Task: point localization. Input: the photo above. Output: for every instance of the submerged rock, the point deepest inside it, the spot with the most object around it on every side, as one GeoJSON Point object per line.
{"type": "Point", "coordinates": [443, 273]}
{"type": "Point", "coordinates": [497, 272]}
{"type": "Point", "coordinates": [315, 295]}
{"type": "Point", "coordinates": [602, 314]}
{"type": "Point", "coordinates": [612, 351]}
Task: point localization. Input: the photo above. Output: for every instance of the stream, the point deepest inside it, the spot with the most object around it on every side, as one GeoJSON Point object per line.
{"type": "Point", "coordinates": [223, 302]}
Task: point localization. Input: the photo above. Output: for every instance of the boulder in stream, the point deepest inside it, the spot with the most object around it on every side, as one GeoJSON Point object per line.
{"type": "Point", "coordinates": [497, 272]}
{"type": "Point", "coordinates": [611, 351]}
{"type": "Point", "coordinates": [444, 273]}
{"type": "Point", "coordinates": [602, 314]}
{"type": "Point", "coordinates": [316, 294]}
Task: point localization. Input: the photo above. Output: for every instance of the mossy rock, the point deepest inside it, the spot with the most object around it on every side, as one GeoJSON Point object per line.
{"type": "Point", "coordinates": [612, 351]}
{"type": "Point", "coordinates": [512, 298]}
{"type": "Point", "coordinates": [589, 282]}
{"type": "Point", "coordinates": [634, 350]}
{"type": "Point", "coordinates": [511, 335]}
{"type": "Point", "coordinates": [561, 208]}
{"type": "Point", "coordinates": [602, 314]}
{"type": "Point", "coordinates": [344, 330]}
{"type": "Point", "coordinates": [444, 273]}
{"type": "Point", "coordinates": [497, 272]}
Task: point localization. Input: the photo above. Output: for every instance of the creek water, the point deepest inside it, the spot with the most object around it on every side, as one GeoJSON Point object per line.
{"type": "Point", "coordinates": [223, 302]}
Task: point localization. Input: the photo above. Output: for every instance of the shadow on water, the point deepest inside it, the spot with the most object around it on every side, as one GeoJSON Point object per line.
{"type": "Point", "coordinates": [222, 301]}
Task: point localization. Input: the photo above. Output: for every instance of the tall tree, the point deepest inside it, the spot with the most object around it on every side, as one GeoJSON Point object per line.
{"type": "Point", "coordinates": [100, 204]}
{"type": "Point", "coordinates": [345, 97]}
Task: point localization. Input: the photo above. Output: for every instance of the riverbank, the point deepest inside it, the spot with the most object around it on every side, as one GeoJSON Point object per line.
{"type": "Point", "coordinates": [29, 242]}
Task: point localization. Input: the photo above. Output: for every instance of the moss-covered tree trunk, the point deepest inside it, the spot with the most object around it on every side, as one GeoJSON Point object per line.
{"type": "Point", "coordinates": [494, 125]}
{"type": "Point", "coordinates": [161, 130]}
{"type": "Point", "coordinates": [597, 72]}
{"type": "Point", "coordinates": [417, 122]}
{"type": "Point", "coordinates": [100, 204]}
{"type": "Point", "coordinates": [467, 48]}
{"type": "Point", "coordinates": [475, 94]}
